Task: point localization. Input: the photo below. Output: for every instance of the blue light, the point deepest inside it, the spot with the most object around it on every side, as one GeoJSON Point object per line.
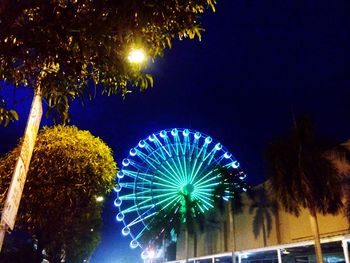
{"type": "Point", "coordinates": [151, 138]}
{"type": "Point", "coordinates": [242, 176]}
{"type": "Point", "coordinates": [144, 254]}
{"type": "Point", "coordinates": [174, 132]}
{"type": "Point", "coordinates": [208, 140]}
{"type": "Point", "coordinates": [117, 202]}
{"type": "Point", "coordinates": [117, 188]}
{"type": "Point", "coordinates": [120, 175]}
{"type": "Point", "coordinates": [162, 163]}
{"type": "Point", "coordinates": [126, 231]}
{"type": "Point", "coordinates": [126, 162]}
{"type": "Point", "coordinates": [142, 144]}
{"type": "Point", "coordinates": [235, 164]}
{"type": "Point", "coordinates": [218, 146]}
{"type": "Point", "coordinates": [132, 152]}
{"type": "Point", "coordinates": [185, 132]}
{"type": "Point", "coordinates": [197, 135]}
{"type": "Point", "coordinates": [227, 155]}
{"type": "Point", "coordinates": [162, 134]}
{"type": "Point", "coordinates": [120, 217]}
{"type": "Point", "coordinates": [134, 244]}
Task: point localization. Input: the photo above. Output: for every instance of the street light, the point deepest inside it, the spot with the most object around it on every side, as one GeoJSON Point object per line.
{"type": "Point", "coordinates": [136, 56]}
{"type": "Point", "coordinates": [99, 198]}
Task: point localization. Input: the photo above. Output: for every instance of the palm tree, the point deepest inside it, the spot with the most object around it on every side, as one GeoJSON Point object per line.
{"type": "Point", "coordinates": [347, 197]}
{"type": "Point", "coordinates": [230, 188]}
{"type": "Point", "coordinates": [340, 157]}
{"type": "Point", "coordinates": [265, 209]}
{"type": "Point", "coordinates": [183, 215]}
{"type": "Point", "coordinates": [302, 176]}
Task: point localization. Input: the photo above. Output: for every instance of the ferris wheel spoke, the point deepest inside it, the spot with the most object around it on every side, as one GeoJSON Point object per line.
{"type": "Point", "coordinates": [140, 218]}
{"type": "Point", "coordinates": [165, 185]}
{"type": "Point", "coordinates": [184, 145]}
{"type": "Point", "coordinates": [165, 200]}
{"type": "Point", "coordinates": [192, 149]}
{"type": "Point", "coordinates": [177, 163]}
{"type": "Point", "coordinates": [204, 177]}
{"type": "Point", "coordinates": [149, 148]}
{"type": "Point", "coordinates": [199, 184]}
{"type": "Point", "coordinates": [176, 173]}
{"type": "Point", "coordinates": [202, 150]}
{"type": "Point", "coordinates": [138, 166]}
{"type": "Point", "coordinates": [201, 207]}
{"type": "Point", "coordinates": [163, 168]}
{"type": "Point", "coordinates": [160, 146]}
{"type": "Point", "coordinates": [133, 186]}
{"type": "Point", "coordinates": [174, 201]}
{"type": "Point", "coordinates": [141, 232]}
{"type": "Point", "coordinates": [134, 174]}
{"type": "Point", "coordinates": [180, 146]}
{"type": "Point", "coordinates": [166, 181]}
{"type": "Point", "coordinates": [205, 199]}
{"type": "Point", "coordinates": [146, 157]}
{"type": "Point", "coordinates": [136, 207]}
{"type": "Point", "coordinates": [196, 172]}
{"type": "Point", "coordinates": [172, 176]}
{"type": "Point", "coordinates": [210, 156]}
{"type": "Point", "coordinates": [166, 194]}
{"type": "Point", "coordinates": [132, 197]}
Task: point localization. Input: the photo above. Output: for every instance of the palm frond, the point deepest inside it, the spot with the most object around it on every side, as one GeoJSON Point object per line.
{"type": "Point", "coordinates": [300, 173]}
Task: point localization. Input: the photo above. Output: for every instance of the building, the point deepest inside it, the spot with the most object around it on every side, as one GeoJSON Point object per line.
{"type": "Point", "coordinates": [229, 238]}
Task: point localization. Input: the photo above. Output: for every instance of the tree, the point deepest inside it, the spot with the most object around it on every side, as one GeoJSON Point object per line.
{"type": "Point", "coordinates": [265, 209]}
{"type": "Point", "coordinates": [302, 177]}
{"type": "Point", "coordinates": [230, 188]}
{"type": "Point", "coordinates": [340, 157]}
{"type": "Point", "coordinates": [64, 49]}
{"type": "Point", "coordinates": [70, 168]}
{"type": "Point", "coordinates": [183, 215]}
{"type": "Point", "coordinates": [347, 197]}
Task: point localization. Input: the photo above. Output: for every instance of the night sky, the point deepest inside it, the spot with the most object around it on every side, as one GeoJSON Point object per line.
{"type": "Point", "coordinates": [258, 61]}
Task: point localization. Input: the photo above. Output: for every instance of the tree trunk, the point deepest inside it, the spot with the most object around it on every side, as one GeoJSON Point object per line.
{"type": "Point", "coordinates": [316, 234]}
{"type": "Point", "coordinates": [232, 219]}
{"type": "Point", "coordinates": [22, 164]}
{"type": "Point", "coordinates": [187, 244]}
{"type": "Point", "coordinates": [278, 228]}
{"type": "Point", "coordinates": [225, 236]}
{"type": "Point", "coordinates": [264, 232]}
{"type": "Point", "coordinates": [195, 245]}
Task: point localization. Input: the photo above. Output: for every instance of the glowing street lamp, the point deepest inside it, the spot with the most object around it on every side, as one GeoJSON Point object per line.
{"type": "Point", "coordinates": [137, 56]}
{"type": "Point", "coordinates": [99, 198]}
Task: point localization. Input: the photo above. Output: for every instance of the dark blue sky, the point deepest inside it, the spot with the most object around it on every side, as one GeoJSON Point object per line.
{"type": "Point", "coordinates": [258, 60]}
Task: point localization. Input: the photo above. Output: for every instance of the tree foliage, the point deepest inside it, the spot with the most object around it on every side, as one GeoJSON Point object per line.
{"type": "Point", "coordinates": [69, 168]}
{"type": "Point", "coordinates": [67, 47]}
{"type": "Point", "coordinates": [264, 209]}
{"type": "Point", "coordinates": [301, 175]}
{"type": "Point", "coordinates": [230, 187]}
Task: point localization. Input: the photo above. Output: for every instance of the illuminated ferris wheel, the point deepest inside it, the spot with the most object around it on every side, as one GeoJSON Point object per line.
{"type": "Point", "coordinates": [162, 166]}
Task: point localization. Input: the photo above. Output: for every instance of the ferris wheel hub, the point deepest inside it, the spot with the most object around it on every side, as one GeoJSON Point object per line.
{"type": "Point", "coordinates": [188, 189]}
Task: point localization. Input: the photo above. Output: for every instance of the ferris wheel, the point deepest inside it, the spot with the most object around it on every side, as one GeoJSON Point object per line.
{"type": "Point", "coordinates": [158, 168]}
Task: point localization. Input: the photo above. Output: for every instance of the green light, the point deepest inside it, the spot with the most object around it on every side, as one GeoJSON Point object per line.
{"type": "Point", "coordinates": [170, 172]}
